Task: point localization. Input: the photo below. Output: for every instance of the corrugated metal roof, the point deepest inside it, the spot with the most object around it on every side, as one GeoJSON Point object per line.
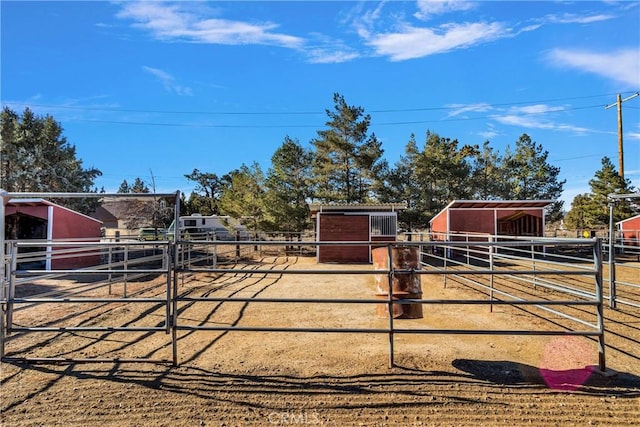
{"type": "Point", "coordinates": [493, 204]}
{"type": "Point", "coordinates": [42, 202]}
{"type": "Point", "coordinates": [365, 207]}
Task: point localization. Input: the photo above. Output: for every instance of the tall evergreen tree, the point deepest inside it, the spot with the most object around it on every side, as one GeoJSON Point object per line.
{"type": "Point", "coordinates": [529, 176]}
{"type": "Point", "coordinates": [402, 185]}
{"type": "Point", "coordinates": [124, 187]}
{"type": "Point", "coordinates": [428, 179]}
{"type": "Point", "coordinates": [487, 176]}
{"type": "Point", "coordinates": [346, 158]}
{"type": "Point", "coordinates": [139, 186]}
{"type": "Point", "coordinates": [592, 210]}
{"type": "Point", "coordinates": [36, 157]}
{"type": "Point", "coordinates": [288, 188]}
{"type": "Point", "coordinates": [243, 194]}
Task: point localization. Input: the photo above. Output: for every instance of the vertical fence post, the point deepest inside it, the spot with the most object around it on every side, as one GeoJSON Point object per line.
{"type": "Point", "coordinates": [612, 260]}
{"type": "Point", "coordinates": [126, 267]}
{"type": "Point", "coordinates": [468, 248]}
{"type": "Point", "coordinates": [12, 284]}
{"type": "Point", "coordinates": [176, 264]}
{"type": "Point", "coordinates": [109, 266]}
{"type": "Point", "coordinates": [597, 259]}
{"type": "Point", "coordinates": [390, 303]}
{"type": "Point", "coordinates": [444, 261]}
{"type": "Point", "coordinates": [3, 272]}
{"type": "Point", "coordinates": [533, 266]}
{"type": "Point", "coordinates": [491, 275]}
{"type": "Point", "coordinates": [169, 269]}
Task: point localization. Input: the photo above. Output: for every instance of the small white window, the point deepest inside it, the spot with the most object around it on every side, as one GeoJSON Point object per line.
{"type": "Point", "coordinates": [383, 224]}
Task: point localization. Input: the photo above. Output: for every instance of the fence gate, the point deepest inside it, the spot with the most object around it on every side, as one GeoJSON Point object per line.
{"type": "Point", "coordinates": [69, 286]}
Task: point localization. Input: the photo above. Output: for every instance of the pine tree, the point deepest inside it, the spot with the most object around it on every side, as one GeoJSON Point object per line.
{"type": "Point", "coordinates": [486, 174]}
{"type": "Point", "coordinates": [288, 188]}
{"type": "Point", "coordinates": [243, 194]}
{"type": "Point", "coordinates": [530, 177]}
{"type": "Point", "coordinates": [124, 187]}
{"type": "Point", "coordinates": [592, 210]}
{"type": "Point", "coordinates": [346, 158]}
{"type": "Point", "coordinates": [36, 157]}
{"type": "Point", "coordinates": [139, 186]}
{"type": "Point", "coordinates": [401, 185]}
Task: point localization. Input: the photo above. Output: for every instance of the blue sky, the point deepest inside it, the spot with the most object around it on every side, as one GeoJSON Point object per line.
{"type": "Point", "coordinates": [157, 89]}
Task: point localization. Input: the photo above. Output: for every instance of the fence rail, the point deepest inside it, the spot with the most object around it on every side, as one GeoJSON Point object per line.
{"type": "Point", "coordinates": [506, 272]}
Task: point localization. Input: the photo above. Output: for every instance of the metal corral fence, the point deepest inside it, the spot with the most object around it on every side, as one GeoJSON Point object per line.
{"type": "Point", "coordinates": [103, 266]}
{"type": "Point", "coordinates": [621, 258]}
{"type": "Point", "coordinates": [126, 261]}
{"type": "Point", "coordinates": [495, 268]}
{"type": "Point", "coordinates": [506, 279]}
{"type": "Point", "coordinates": [534, 275]}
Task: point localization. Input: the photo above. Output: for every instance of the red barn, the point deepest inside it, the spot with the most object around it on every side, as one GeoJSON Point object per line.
{"type": "Point", "coordinates": [630, 230]}
{"type": "Point", "coordinates": [39, 219]}
{"type": "Point", "coordinates": [492, 217]}
{"type": "Point", "coordinates": [353, 223]}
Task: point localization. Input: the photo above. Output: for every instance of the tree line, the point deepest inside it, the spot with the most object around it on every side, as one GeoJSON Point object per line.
{"type": "Point", "coordinates": [344, 163]}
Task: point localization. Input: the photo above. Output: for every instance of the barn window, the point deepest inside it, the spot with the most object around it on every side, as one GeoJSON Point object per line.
{"type": "Point", "coordinates": [383, 225]}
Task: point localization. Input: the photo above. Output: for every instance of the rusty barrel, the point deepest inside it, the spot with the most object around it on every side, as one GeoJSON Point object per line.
{"type": "Point", "coordinates": [404, 286]}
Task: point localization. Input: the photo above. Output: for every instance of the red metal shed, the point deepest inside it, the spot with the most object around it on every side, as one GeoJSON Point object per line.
{"type": "Point", "coordinates": [492, 217]}
{"type": "Point", "coordinates": [27, 219]}
{"type": "Point", "coordinates": [353, 223]}
{"type": "Point", "coordinates": [630, 230]}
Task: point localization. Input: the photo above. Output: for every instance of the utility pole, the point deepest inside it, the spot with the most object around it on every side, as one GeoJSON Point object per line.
{"type": "Point", "coordinates": [620, 148]}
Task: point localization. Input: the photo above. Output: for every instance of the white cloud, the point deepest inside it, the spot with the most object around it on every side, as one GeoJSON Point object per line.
{"type": "Point", "coordinates": [427, 8]}
{"type": "Point", "coordinates": [458, 109]}
{"type": "Point", "coordinates": [168, 81]}
{"type": "Point", "coordinates": [413, 42]}
{"type": "Point", "coordinates": [537, 109]}
{"type": "Point", "coordinates": [489, 133]}
{"type": "Point", "coordinates": [622, 66]}
{"type": "Point", "coordinates": [330, 56]}
{"type": "Point", "coordinates": [524, 121]}
{"type": "Point", "coordinates": [174, 22]}
{"type": "Point", "coordinates": [570, 18]}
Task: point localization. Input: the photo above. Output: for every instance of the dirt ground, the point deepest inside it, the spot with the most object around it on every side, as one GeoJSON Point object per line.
{"type": "Point", "coordinates": [333, 379]}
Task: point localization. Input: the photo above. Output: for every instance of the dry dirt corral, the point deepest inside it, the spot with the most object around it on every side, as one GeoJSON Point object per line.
{"type": "Point", "coordinates": [250, 378]}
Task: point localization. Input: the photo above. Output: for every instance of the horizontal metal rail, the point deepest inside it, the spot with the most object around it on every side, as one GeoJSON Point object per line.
{"type": "Point", "coordinates": [92, 271]}
{"type": "Point", "coordinates": [399, 271]}
{"type": "Point", "coordinates": [87, 300]}
{"type": "Point", "coordinates": [84, 360]}
{"type": "Point", "coordinates": [395, 301]}
{"type": "Point", "coordinates": [386, 331]}
{"type": "Point", "coordinates": [89, 329]}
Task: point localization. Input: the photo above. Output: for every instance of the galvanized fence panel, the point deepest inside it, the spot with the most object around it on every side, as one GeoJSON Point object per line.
{"type": "Point", "coordinates": [592, 300]}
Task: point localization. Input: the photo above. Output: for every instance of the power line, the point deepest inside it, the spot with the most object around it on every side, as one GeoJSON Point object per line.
{"type": "Point", "coordinates": [289, 126]}
{"type": "Point", "coordinates": [292, 113]}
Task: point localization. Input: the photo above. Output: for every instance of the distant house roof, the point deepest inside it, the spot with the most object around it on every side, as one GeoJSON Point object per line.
{"type": "Point", "coordinates": [113, 209]}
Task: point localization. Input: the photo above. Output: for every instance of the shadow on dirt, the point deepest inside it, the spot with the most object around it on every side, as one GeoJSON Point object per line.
{"type": "Point", "coordinates": [588, 379]}
{"type": "Point", "coordinates": [409, 385]}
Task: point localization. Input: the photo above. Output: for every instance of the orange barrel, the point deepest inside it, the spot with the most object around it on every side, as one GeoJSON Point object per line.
{"type": "Point", "coordinates": [404, 286]}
